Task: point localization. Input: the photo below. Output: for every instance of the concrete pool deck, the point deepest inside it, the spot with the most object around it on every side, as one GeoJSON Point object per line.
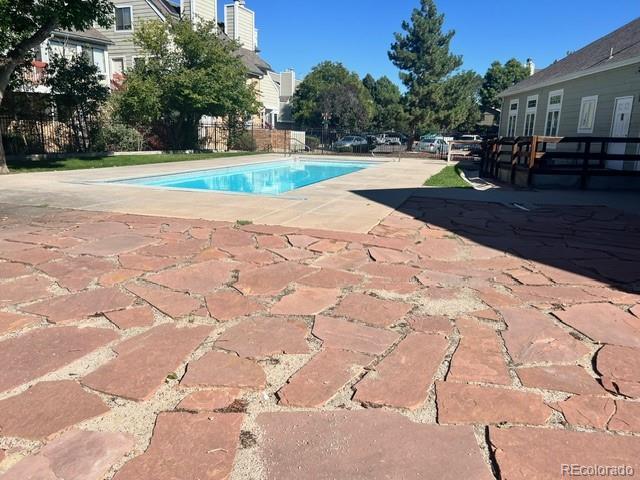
{"type": "Point", "coordinates": [333, 204]}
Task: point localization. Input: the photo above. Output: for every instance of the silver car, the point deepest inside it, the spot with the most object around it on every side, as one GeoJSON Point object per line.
{"type": "Point", "coordinates": [351, 141]}
{"type": "Point", "coordinates": [432, 144]}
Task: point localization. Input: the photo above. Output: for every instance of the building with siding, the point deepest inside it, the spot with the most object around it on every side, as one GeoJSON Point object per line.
{"type": "Point", "coordinates": [594, 91]}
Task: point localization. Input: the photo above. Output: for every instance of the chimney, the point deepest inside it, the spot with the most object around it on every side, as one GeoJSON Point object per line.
{"type": "Point", "coordinates": [531, 66]}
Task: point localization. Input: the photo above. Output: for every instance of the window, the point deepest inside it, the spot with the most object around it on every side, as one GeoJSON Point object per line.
{"type": "Point", "coordinates": [554, 108]}
{"type": "Point", "coordinates": [513, 118]}
{"type": "Point", "coordinates": [530, 115]}
{"type": "Point", "coordinates": [117, 66]}
{"type": "Point", "coordinates": [99, 60]}
{"type": "Point", "coordinates": [587, 117]}
{"type": "Point", "coordinates": [124, 17]}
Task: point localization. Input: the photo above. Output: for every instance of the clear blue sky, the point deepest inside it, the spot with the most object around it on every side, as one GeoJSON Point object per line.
{"type": "Point", "coordinates": [301, 33]}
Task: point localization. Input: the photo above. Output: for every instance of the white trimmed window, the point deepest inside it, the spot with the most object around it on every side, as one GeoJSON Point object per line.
{"type": "Point", "coordinates": [554, 109]}
{"type": "Point", "coordinates": [587, 118]}
{"type": "Point", "coordinates": [512, 119]}
{"type": "Point", "coordinates": [124, 19]}
{"type": "Point", "coordinates": [530, 115]}
{"type": "Point", "coordinates": [100, 60]}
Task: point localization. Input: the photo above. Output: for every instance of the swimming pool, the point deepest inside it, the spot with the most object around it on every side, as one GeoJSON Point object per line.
{"type": "Point", "coordinates": [271, 178]}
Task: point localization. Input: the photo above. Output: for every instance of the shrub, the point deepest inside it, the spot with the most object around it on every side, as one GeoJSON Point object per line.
{"type": "Point", "coordinates": [244, 142]}
{"type": "Point", "coordinates": [312, 142]}
{"type": "Point", "coordinates": [117, 137]}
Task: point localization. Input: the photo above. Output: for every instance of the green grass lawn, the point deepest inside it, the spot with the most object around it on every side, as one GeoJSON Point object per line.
{"type": "Point", "coordinates": [449, 177]}
{"type": "Point", "coordinates": [22, 166]}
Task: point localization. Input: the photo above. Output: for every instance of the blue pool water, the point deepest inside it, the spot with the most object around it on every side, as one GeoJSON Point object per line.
{"type": "Point", "coordinates": [271, 178]}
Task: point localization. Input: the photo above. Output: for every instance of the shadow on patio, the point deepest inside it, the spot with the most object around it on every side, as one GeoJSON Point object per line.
{"type": "Point", "coordinates": [593, 243]}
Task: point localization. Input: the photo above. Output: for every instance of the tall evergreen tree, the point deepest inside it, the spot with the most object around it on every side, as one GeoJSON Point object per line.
{"type": "Point", "coordinates": [422, 54]}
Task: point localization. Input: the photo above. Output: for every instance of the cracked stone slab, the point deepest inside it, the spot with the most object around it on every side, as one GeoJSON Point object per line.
{"type": "Point", "coordinates": [620, 369]}
{"type": "Point", "coordinates": [11, 322]}
{"type": "Point", "coordinates": [219, 369]}
{"type": "Point", "coordinates": [132, 317]}
{"type": "Point", "coordinates": [341, 334]}
{"type": "Point", "coordinates": [604, 323]}
{"type": "Point", "coordinates": [564, 378]}
{"type": "Point", "coordinates": [265, 336]}
{"type": "Point", "coordinates": [47, 408]}
{"type": "Point", "coordinates": [306, 301]}
{"type": "Point", "coordinates": [459, 403]}
{"type": "Point", "coordinates": [210, 400]}
{"type": "Point", "coordinates": [188, 446]}
{"type": "Point", "coordinates": [366, 444]}
{"type": "Point", "coordinates": [322, 377]}
{"type": "Point", "coordinates": [78, 306]}
{"type": "Point", "coordinates": [174, 304]}
{"type": "Point", "coordinates": [271, 279]}
{"type": "Point", "coordinates": [402, 379]}
{"type": "Point", "coordinates": [587, 410]}
{"type": "Point", "coordinates": [199, 278]}
{"type": "Point", "coordinates": [539, 454]}
{"type": "Point", "coordinates": [75, 455]}
{"type": "Point", "coordinates": [371, 310]}
{"type": "Point", "coordinates": [229, 305]}
{"type": "Point", "coordinates": [144, 361]}
{"type": "Point", "coordinates": [45, 350]}
{"type": "Point", "coordinates": [25, 289]}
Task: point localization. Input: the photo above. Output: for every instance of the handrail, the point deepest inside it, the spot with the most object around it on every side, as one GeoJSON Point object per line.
{"type": "Point", "coordinates": [306, 147]}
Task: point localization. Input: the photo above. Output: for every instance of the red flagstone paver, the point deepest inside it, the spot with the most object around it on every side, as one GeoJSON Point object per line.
{"type": "Point", "coordinates": [604, 323]}
{"type": "Point", "coordinates": [392, 272]}
{"type": "Point", "coordinates": [152, 355]}
{"type": "Point", "coordinates": [322, 377]}
{"type": "Point", "coordinates": [330, 278]}
{"type": "Point", "coordinates": [268, 241]}
{"type": "Point", "coordinates": [635, 310]}
{"type": "Point", "coordinates": [432, 278]}
{"type": "Point", "coordinates": [230, 237]}
{"type": "Point", "coordinates": [527, 277]}
{"type": "Point", "coordinates": [210, 254]}
{"type": "Point", "coordinates": [252, 255]}
{"type": "Point", "coordinates": [10, 322]}
{"type": "Point", "coordinates": [379, 284]}
{"type": "Point", "coordinates": [306, 301]}
{"type": "Point", "coordinates": [439, 249]}
{"type": "Point", "coordinates": [45, 350]}
{"type": "Point", "coordinates": [539, 454]}
{"type": "Point", "coordinates": [263, 337]}
{"type": "Point", "coordinates": [587, 410]}
{"type": "Point", "coordinates": [47, 408]}
{"type": "Point", "coordinates": [210, 400]}
{"type": "Point", "coordinates": [172, 303]}
{"type": "Point", "coordinates": [294, 254]}
{"type": "Point", "coordinates": [78, 306]}
{"type": "Point", "coordinates": [24, 289]}
{"type": "Point", "coordinates": [533, 337]}
{"type": "Point", "coordinates": [620, 369]}
{"type": "Point", "coordinates": [552, 294]}
{"type": "Point", "coordinates": [272, 279]}
{"type": "Point", "coordinates": [219, 369]}
{"type": "Point", "coordinates": [372, 310]}
{"type": "Point", "coordinates": [32, 256]}
{"type": "Point", "coordinates": [327, 246]}
{"type": "Point", "coordinates": [92, 230]}
{"type": "Point", "coordinates": [626, 418]}
{"type": "Point", "coordinates": [76, 273]}
{"type": "Point", "coordinates": [496, 299]}
{"type": "Point", "coordinates": [112, 245]}
{"type": "Point", "coordinates": [76, 455]}
{"type": "Point", "coordinates": [200, 278]}
{"type": "Point", "coordinates": [9, 270]}
{"type": "Point", "coordinates": [175, 248]}
{"type": "Point", "coordinates": [145, 262]}
{"type": "Point", "coordinates": [488, 314]}
{"type": "Point", "coordinates": [479, 357]}
{"type": "Point", "coordinates": [565, 378]}
{"type": "Point", "coordinates": [188, 446]}
{"type": "Point", "coordinates": [403, 377]}
{"type": "Point", "coordinates": [386, 255]}
{"type": "Point", "coordinates": [111, 279]}
{"type": "Point", "coordinates": [460, 403]}
{"type": "Point", "coordinates": [372, 444]}
{"type": "Point", "coordinates": [301, 241]}
{"type": "Point", "coordinates": [228, 304]}
{"type": "Point", "coordinates": [132, 317]}
{"type": "Point", "coordinates": [431, 324]}
{"type": "Point", "coordinates": [347, 260]}
{"type": "Point", "coordinates": [340, 334]}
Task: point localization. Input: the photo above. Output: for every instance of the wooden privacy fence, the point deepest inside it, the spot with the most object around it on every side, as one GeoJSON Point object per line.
{"type": "Point", "coordinates": [508, 158]}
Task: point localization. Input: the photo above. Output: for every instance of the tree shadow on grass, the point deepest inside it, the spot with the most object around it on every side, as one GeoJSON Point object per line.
{"type": "Point", "coordinates": [595, 242]}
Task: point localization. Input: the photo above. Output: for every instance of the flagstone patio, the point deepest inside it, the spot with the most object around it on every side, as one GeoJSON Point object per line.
{"type": "Point", "coordinates": [455, 340]}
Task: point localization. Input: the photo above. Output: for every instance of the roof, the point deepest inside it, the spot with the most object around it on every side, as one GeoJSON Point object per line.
{"type": "Point", "coordinates": [253, 62]}
{"type": "Point", "coordinates": [90, 35]}
{"type": "Point", "coordinates": [625, 43]}
{"type": "Point", "coordinates": [166, 7]}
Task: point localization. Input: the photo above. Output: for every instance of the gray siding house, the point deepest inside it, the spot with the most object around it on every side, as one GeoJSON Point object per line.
{"type": "Point", "coordinates": [594, 91]}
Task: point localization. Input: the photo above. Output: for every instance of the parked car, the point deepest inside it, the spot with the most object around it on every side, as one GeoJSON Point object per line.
{"type": "Point", "coordinates": [432, 144]}
{"type": "Point", "coordinates": [350, 141]}
{"type": "Point", "coordinates": [473, 148]}
{"type": "Point", "coordinates": [475, 138]}
{"type": "Point", "coordinates": [389, 139]}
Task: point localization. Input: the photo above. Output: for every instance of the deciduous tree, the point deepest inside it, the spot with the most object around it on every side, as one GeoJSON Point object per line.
{"type": "Point", "coordinates": [500, 77]}
{"type": "Point", "coordinates": [189, 72]}
{"type": "Point", "coordinates": [389, 111]}
{"type": "Point", "coordinates": [25, 24]}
